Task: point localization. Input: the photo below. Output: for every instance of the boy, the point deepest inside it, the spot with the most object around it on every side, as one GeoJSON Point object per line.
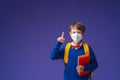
{"type": "Point", "coordinates": [72, 69]}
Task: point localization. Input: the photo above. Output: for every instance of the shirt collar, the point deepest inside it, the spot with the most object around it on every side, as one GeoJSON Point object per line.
{"type": "Point", "coordinates": [78, 44]}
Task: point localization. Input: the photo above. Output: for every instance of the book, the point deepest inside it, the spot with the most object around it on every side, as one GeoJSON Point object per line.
{"type": "Point", "coordinates": [83, 60]}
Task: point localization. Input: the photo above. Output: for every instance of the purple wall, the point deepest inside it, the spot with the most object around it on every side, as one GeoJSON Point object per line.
{"type": "Point", "coordinates": [28, 31]}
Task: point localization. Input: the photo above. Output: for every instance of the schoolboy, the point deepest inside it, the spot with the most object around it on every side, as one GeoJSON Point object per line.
{"type": "Point", "coordinates": [72, 70]}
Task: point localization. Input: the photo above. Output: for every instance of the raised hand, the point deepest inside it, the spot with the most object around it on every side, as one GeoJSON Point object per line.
{"type": "Point", "coordinates": [61, 39]}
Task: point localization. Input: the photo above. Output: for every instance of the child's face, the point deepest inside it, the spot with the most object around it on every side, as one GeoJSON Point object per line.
{"type": "Point", "coordinates": [75, 30]}
{"type": "Point", "coordinates": [76, 35]}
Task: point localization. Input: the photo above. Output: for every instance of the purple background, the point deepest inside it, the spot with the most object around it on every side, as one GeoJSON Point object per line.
{"type": "Point", "coordinates": [29, 29]}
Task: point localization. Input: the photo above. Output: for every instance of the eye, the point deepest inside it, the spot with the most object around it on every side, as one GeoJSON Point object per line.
{"type": "Point", "coordinates": [74, 32]}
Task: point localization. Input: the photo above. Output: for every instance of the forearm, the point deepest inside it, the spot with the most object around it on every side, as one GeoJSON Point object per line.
{"type": "Point", "coordinates": [91, 67]}
{"type": "Point", "coordinates": [56, 53]}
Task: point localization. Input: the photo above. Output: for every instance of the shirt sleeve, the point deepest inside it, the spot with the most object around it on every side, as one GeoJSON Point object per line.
{"type": "Point", "coordinates": [93, 62]}
{"type": "Point", "coordinates": [57, 51]}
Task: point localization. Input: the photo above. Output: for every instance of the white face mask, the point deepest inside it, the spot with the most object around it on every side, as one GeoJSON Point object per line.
{"type": "Point", "coordinates": [76, 37]}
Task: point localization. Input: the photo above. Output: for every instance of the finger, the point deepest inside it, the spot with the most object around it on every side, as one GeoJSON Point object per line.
{"type": "Point", "coordinates": [62, 34]}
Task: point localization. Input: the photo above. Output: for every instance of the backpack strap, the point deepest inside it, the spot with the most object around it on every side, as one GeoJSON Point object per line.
{"type": "Point", "coordinates": [86, 49]}
{"type": "Point", "coordinates": [66, 52]}
{"type": "Point", "coordinates": [87, 52]}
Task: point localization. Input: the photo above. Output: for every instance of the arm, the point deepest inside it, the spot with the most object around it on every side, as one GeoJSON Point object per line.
{"type": "Point", "coordinates": [57, 52]}
{"type": "Point", "coordinates": [93, 62]}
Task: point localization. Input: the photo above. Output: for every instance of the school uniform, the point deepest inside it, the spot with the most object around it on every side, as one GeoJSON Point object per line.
{"type": "Point", "coordinates": [70, 72]}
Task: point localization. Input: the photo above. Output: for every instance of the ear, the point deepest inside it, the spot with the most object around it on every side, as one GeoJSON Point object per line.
{"type": "Point", "coordinates": [82, 34]}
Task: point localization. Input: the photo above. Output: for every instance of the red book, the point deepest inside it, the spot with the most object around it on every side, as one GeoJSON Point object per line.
{"type": "Point", "coordinates": [83, 60]}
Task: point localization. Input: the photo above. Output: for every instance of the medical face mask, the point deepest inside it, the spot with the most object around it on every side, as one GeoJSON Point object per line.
{"type": "Point", "coordinates": [76, 37]}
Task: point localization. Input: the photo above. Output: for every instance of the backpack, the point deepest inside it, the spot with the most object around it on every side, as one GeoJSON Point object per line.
{"type": "Point", "coordinates": [67, 48]}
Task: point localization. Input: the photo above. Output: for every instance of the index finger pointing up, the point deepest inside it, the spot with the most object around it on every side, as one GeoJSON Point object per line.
{"type": "Point", "coordinates": [62, 34]}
